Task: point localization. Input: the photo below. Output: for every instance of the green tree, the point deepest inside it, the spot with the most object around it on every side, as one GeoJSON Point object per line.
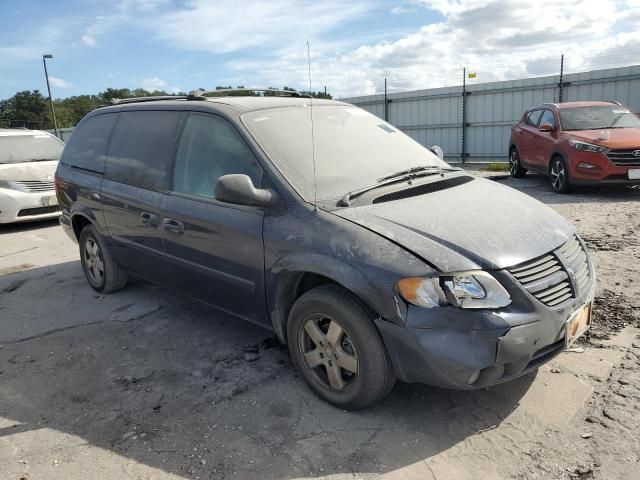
{"type": "Point", "coordinates": [25, 109]}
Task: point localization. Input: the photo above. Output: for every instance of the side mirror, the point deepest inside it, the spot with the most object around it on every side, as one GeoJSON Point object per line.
{"type": "Point", "coordinates": [546, 127]}
{"type": "Point", "coordinates": [239, 189]}
{"type": "Point", "coordinates": [437, 151]}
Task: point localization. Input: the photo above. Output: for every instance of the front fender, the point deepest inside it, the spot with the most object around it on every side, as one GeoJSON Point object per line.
{"type": "Point", "coordinates": [285, 273]}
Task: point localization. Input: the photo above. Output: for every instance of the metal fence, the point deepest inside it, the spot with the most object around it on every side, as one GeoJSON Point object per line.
{"type": "Point", "coordinates": [63, 133]}
{"type": "Point", "coordinates": [434, 116]}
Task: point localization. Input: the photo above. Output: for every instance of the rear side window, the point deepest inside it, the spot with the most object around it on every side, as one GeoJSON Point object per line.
{"type": "Point", "coordinates": [87, 147]}
{"type": "Point", "coordinates": [141, 148]}
{"type": "Point", "coordinates": [533, 117]}
{"type": "Point", "coordinates": [548, 117]}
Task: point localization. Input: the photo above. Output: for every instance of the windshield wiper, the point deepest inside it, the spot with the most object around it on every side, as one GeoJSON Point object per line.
{"type": "Point", "coordinates": [408, 170]}
{"type": "Point", "coordinates": [345, 201]}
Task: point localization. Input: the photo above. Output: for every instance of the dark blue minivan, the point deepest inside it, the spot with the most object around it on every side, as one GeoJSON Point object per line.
{"type": "Point", "coordinates": [365, 252]}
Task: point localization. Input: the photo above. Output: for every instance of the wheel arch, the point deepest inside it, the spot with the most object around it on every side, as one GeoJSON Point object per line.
{"type": "Point", "coordinates": [296, 275]}
{"type": "Point", "coordinates": [81, 215]}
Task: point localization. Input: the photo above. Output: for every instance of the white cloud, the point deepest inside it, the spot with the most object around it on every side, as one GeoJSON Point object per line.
{"type": "Point", "coordinates": [276, 24]}
{"type": "Point", "coordinates": [400, 10]}
{"type": "Point", "coordinates": [153, 84]}
{"type": "Point", "coordinates": [498, 39]}
{"type": "Point", "coordinates": [59, 82]}
{"type": "Point", "coordinates": [88, 40]}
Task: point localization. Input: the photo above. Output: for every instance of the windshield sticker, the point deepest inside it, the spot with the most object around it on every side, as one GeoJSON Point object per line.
{"type": "Point", "coordinates": [386, 128]}
{"type": "Point", "coordinates": [621, 111]}
{"type": "Point", "coordinates": [260, 119]}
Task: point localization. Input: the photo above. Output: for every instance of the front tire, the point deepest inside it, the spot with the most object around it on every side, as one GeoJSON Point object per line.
{"type": "Point", "coordinates": [515, 169]}
{"type": "Point", "coordinates": [103, 274]}
{"type": "Point", "coordinates": [559, 176]}
{"type": "Point", "coordinates": [337, 349]}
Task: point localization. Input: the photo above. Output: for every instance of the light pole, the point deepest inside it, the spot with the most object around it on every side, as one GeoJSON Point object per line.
{"type": "Point", "coordinates": [53, 112]}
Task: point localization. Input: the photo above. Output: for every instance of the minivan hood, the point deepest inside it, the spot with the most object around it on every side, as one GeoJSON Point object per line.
{"type": "Point", "coordinates": [481, 224]}
{"type": "Point", "coordinates": [41, 171]}
{"type": "Point", "coordinates": [617, 138]}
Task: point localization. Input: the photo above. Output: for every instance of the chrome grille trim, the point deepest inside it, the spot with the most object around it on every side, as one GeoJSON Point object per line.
{"type": "Point", "coordinates": [33, 185]}
{"type": "Point", "coordinates": [557, 277]}
{"type": "Point", "coordinates": [624, 158]}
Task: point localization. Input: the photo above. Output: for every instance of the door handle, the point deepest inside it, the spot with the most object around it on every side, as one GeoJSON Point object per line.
{"type": "Point", "coordinates": [173, 225]}
{"type": "Point", "coordinates": [150, 219]}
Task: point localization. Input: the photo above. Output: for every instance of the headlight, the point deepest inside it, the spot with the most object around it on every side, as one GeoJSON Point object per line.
{"type": "Point", "coordinates": [476, 289]}
{"type": "Point", "coordinates": [6, 184]}
{"type": "Point", "coordinates": [586, 147]}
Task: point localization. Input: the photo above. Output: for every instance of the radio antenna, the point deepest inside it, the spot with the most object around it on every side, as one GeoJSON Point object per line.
{"type": "Point", "coordinates": [313, 142]}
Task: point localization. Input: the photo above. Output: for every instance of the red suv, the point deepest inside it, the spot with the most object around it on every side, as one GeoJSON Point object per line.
{"type": "Point", "coordinates": [577, 143]}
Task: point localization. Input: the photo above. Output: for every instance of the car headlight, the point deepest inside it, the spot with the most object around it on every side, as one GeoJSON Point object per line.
{"type": "Point", "coordinates": [6, 184]}
{"type": "Point", "coordinates": [586, 147]}
{"type": "Point", "coordinates": [475, 289]}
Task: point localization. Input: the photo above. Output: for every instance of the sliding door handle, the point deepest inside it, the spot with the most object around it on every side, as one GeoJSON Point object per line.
{"type": "Point", "coordinates": [150, 219]}
{"type": "Point", "coordinates": [173, 225]}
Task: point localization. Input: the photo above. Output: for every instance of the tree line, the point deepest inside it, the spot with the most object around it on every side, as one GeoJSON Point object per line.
{"type": "Point", "coordinates": [30, 108]}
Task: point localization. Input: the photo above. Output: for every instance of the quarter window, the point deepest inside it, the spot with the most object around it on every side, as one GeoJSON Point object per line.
{"type": "Point", "coordinates": [87, 147]}
{"type": "Point", "coordinates": [210, 148]}
{"type": "Point", "coordinates": [141, 148]}
{"type": "Point", "coordinates": [548, 117]}
{"type": "Point", "coordinates": [533, 117]}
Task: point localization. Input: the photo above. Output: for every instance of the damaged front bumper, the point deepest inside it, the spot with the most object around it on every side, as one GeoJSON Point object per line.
{"type": "Point", "coordinates": [462, 349]}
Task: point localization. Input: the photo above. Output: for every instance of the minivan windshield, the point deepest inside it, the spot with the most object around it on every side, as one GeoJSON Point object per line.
{"type": "Point", "coordinates": [353, 148]}
{"type": "Point", "coordinates": [597, 118]}
{"type": "Point", "coordinates": [36, 147]}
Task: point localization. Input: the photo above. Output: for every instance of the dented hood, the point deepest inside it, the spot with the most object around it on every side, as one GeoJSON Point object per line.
{"type": "Point", "coordinates": [481, 224]}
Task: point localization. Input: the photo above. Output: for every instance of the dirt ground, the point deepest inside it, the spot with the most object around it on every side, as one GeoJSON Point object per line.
{"type": "Point", "coordinates": [145, 384]}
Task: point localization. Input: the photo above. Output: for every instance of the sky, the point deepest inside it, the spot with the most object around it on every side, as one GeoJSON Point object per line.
{"type": "Point", "coordinates": [182, 45]}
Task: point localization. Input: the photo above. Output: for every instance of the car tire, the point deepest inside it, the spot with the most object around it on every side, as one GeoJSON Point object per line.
{"type": "Point", "coordinates": [327, 313]}
{"type": "Point", "coordinates": [559, 175]}
{"type": "Point", "coordinates": [103, 274]}
{"type": "Point", "coordinates": [515, 169]}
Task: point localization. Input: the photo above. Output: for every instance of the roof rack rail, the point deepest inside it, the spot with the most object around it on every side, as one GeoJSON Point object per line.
{"type": "Point", "coordinates": [268, 92]}
{"type": "Point", "coordinates": [119, 101]}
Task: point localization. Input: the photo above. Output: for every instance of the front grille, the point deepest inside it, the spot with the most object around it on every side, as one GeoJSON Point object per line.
{"type": "Point", "coordinates": [33, 185]}
{"type": "Point", "coordinates": [557, 277]}
{"type": "Point", "coordinates": [625, 158]}
{"type": "Point", "coordinates": [27, 212]}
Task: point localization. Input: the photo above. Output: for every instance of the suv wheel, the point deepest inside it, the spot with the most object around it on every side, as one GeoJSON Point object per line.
{"type": "Point", "coordinates": [559, 176]}
{"type": "Point", "coordinates": [103, 274]}
{"type": "Point", "coordinates": [337, 349]}
{"type": "Point", "coordinates": [514, 165]}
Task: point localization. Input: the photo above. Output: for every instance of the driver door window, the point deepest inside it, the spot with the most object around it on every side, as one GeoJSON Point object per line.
{"type": "Point", "coordinates": [210, 148]}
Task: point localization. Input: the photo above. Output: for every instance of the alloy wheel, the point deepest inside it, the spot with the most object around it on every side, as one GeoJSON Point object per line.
{"type": "Point", "coordinates": [94, 261]}
{"type": "Point", "coordinates": [328, 353]}
{"type": "Point", "coordinates": [513, 163]}
{"type": "Point", "coordinates": [558, 175]}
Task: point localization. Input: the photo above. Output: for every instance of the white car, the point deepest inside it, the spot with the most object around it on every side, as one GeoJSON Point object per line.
{"type": "Point", "coordinates": [28, 161]}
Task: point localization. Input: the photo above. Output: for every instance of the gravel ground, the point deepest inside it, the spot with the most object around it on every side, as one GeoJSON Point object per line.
{"type": "Point", "coordinates": [145, 384]}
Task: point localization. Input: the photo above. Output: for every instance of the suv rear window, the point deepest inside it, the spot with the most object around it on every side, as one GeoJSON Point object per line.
{"type": "Point", "coordinates": [141, 148]}
{"type": "Point", "coordinates": [87, 147]}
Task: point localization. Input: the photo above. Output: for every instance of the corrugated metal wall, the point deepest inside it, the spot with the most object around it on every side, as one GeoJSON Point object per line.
{"type": "Point", "coordinates": [434, 116]}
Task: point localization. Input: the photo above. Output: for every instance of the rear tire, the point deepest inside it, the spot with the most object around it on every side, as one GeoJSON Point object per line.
{"type": "Point", "coordinates": [559, 175]}
{"type": "Point", "coordinates": [515, 169]}
{"type": "Point", "coordinates": [103, 274]}
{"type": "Point", "coordinates": [337, 349]}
